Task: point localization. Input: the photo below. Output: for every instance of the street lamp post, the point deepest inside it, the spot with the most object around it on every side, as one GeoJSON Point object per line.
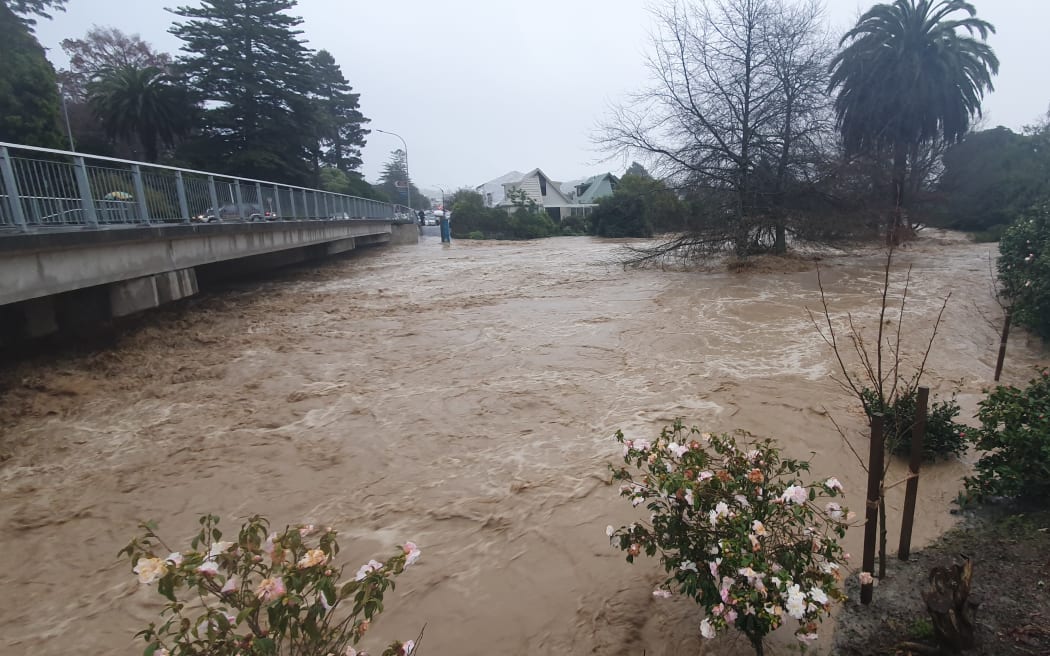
{"type": "Point", "coordinates": [65, 111]}
{"type": "Point", "coordinates": [408, 180]}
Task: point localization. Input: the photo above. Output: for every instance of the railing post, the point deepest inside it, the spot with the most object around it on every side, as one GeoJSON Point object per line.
{"type": "Point", "coordinates": [328, 212]}
{"type": "Point", "coordinates": [11, 185]}
{"type": "Point", "coordinates": [277, 202]}
{"type": "Point", "coordinates": [214, 197]}
{"type": "Point", "coordinates": [87, 201]}
{"type": "Point", "coordinates": [180, 190]}
{"type": "Point", "coordinates": [140, 192]}
{"type": "Point", "coordinates": [237, 198]}
{"type": "Point", "coordinates": [306, 206]}
{"type": "Point", "coordinates": [317, 207]}
{"type": "Point", "coordinates": [291, 197]}
{"type": "Point", "coordinates": [262, 201]}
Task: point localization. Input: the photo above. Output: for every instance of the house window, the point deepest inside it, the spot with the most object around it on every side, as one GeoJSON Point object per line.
{"type": "Point", "coordinates": [543, 186]}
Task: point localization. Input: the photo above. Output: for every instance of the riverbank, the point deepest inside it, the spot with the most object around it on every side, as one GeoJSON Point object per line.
{"type": "Point", "coordinates": [1011, 583]}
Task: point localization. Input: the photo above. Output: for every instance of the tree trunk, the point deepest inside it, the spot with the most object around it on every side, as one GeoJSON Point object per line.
{"type": "Point", "coordinates": [953, 613]}
{"type": "Point", "coordinates": [900, 171]}
{"type": "Point", "coordinates": [780, 242]}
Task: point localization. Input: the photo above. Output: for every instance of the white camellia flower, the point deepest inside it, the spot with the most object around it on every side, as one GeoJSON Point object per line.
{"type": "Point", "coordinates": [219, 548]}
{"type": "Point", "coordinates": [707, 629]}
{"type": "Point", "coordinates": [661, 594]}
{"type": "Point", "coordinates": [175, 558]}
{"type": "Point", "coordinates": [150, 569]}
{"type": "Point", "coordinates": [833, 484]}
{"type": "Point", "coordinates": [834, 510]}
{"type": "Point", "coordinates": [795, 494]}
{"type": "Point", "coordinates": [208, 568]}
{"type": "Point", "coordinates": [796, 602]}
{"type": "Point", "coordinates": [818, 595]}
{"type": "Point", "coordinates": [609, 530]}
{"type": "Point", "coordinates": [231, 585]}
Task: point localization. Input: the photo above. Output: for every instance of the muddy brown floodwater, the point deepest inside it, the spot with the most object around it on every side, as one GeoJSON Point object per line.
{"type": "Point", "coordinates": [463, 398]}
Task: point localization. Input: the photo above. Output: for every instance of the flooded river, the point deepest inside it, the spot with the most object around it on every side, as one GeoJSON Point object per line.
{"type": "Point", "coordinates": [463, 398]}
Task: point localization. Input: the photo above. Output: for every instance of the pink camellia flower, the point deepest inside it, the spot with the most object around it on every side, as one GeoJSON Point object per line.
{"type": "Point", "coordinates": [806, 638]}
{"type": "Point", "coordinates": [231, 585]}
{"type": "Point", "coordinates": [175, 558]}
{"type": "Point", "coordinates": [270, 589]}
{"type": "Point", "coordinates": [833, 484]}
{"type": "Point", "coordinates": [350, 651]}
{"type": "Point", "coordinates": [759, 528]}
{"type": "Point", "coordinates": [312, 558]}
{"type": "Point", "coordinates": [162, 652]}
{"type": "Point", "coordinates": [865, 578]}
{"type": "Point", "coordinates": [150, 569]}
{"type": "Point", "coordinates": [306, 529]}
{"type": "Point", "coordinates": [704, 475]}
{"type": "Point", "coordinates": [219, 548]}
{"type": "Point", "coordinates": [407, 647]}
{"type": "Point", "coordinates": [834, 510]}
{"type": "Point", "coordinates": [412, 552]}
{"type": "Point", "coordinates": [208, 568]}
{"type": "Point", "coordinates": [661, 594]}
{"type": "Point", "coordinates": [368, 568]}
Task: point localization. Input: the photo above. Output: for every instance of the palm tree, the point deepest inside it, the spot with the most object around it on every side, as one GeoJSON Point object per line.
{"type": "Point", "coordinates": [143, 103]}
{"type": "Point", "coordinates": [910, 75]}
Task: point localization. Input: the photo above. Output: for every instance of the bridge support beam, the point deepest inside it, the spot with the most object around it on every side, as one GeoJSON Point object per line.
{"type": "Point", "coordinates": [138, 294]}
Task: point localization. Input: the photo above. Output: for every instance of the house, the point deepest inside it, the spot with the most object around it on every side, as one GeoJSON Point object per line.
{"type": "Point", "coordinates": [492, 192]}
{"type": "Point", "coordinates": [592, 189]}
{"type": "Point", "coordinates": [552, 196]}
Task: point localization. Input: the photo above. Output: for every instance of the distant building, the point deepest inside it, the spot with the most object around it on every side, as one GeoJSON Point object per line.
{"type": "Point", "coordinates": [559, 200]}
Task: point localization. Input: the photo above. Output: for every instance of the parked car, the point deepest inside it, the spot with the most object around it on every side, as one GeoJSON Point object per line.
{"type": "Point", "coordinates": [235, 212]}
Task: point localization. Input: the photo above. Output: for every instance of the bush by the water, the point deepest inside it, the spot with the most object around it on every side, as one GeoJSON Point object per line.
{"type": "Point", "coordinates": [1024, 269]}
{"type": "Point", "coordinates": [1015, 438]}
{"type": "Point", "coordinates": [736, 529]}
{"type": "Point", "coordinates": [261, 592]}
{"type": "Point", "coordinates": [472, 220]}
{"type": "Point", "coordinates": [943, 436]}
{"type": "Point", "coordinates": [639, 207]}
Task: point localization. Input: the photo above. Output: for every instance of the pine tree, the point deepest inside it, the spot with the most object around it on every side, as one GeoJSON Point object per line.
{"type": "Point", "coordinates": [29, 102]}
{"type": "Point", "coordinates": [249, 68]}
{"type": "Point", "coordinates": [341, 122]}
{"type": "Point", "coordinates": [395, 182]}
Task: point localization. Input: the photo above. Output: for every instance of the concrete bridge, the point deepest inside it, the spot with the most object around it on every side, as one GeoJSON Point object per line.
{"type": "Point", "coordinates": [84, 239]}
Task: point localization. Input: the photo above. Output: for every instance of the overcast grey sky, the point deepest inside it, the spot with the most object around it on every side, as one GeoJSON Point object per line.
{"type": "Point", "coordinates": [481, 87]}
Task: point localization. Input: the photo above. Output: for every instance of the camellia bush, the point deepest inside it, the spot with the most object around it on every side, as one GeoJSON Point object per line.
{"type": "Point", "coordinates": [1024, 269]}
{"type": "Point", "coordinates": [736, 529]}
{"type": "Point", "coordinates": [1015, 438]}
{"type": "Point", "coordinates": [263, 593]}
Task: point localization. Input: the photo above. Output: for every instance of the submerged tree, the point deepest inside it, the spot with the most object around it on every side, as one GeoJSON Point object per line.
{"type": "Point", "coordinates": [910, 74]}
{"type": "Point", "coordinates": [734, 113]}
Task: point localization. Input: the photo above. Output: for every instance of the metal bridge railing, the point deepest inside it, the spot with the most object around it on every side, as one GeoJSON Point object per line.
{"type": "Point", "coordinates": [43, 188]}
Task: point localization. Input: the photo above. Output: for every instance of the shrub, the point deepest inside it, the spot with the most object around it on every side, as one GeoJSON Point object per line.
{"type": "Point", "coordinates": [475, 234]}
{"type": "Point", "coordinates": [735, 529]}
{"type": "Point", "coordinates": [943, 438]}
{"type": "Point", "coordinates": [574, 226]}
{"type": "Point", "coordinates": [265, 593]}
{"type": "Point", "coordinates": [1024, 269]}
{"type": "Point", "coordinates": [1015, 438]}
{"type": "Point", "coordinates": [530, 223]}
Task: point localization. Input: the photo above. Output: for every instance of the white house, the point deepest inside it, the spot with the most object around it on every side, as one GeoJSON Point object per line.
{"type": "Point", "coordinates": [538, 187]}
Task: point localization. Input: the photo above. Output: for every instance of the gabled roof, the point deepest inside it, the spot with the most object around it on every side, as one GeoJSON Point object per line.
{"type": "Point", "coordinates": [495, 186]}
{"type": "Point", "coordinates": [593, 186]}
{"type": "Point", "coordinates": [553, 187]}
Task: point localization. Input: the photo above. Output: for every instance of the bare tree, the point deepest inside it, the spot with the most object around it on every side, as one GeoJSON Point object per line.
{"type": "Point", "coordinates": [736, 111]}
